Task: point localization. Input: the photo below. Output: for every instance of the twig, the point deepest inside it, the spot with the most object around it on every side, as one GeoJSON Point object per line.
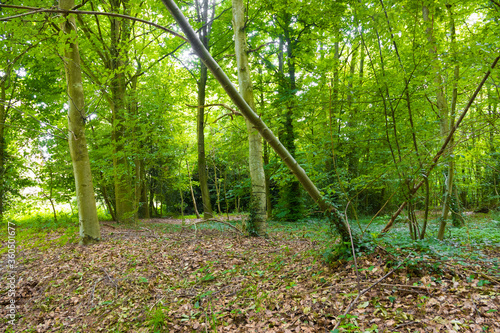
{"type": "Point", "coordinates": [93, 290]}
{"type": "Point", "coordinates": [41, 122]}
{"type": "Point", "coordinates": [233, 111]}
{"type": "Point", "coordinates": [158, 301]}
{"type": "Point", "coordinates": [112, 281]}
{"type": "Point", "coordinates": [405, 324]}
{"type": "Point", "coordinates": [366, 290]}
{"type": "Point", "coordinates": [352, 246]}
{"type": "Point", "coordinates": [152, 232]}
{"type": "Point", "coordinates": [215, 220]}
{"type": "Point", "coordinates": [475, 307]}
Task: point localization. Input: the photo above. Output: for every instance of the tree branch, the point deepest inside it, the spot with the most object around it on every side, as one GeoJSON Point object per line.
{"type": "Point", "coordinates": [233, 111]}
{"type": "Point", "coordinates": [35, 10]}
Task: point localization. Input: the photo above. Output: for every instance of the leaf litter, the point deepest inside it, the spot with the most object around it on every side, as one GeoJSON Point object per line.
{"type": "Point", "coordinates": [215, 281]}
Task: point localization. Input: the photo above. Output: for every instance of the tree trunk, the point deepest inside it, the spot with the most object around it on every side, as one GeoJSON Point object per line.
{"type": "Point", "coordinates": [291, 195]}
{"type": "Point", "coordinates": [269, 205]}
{"type": "Point", "coordinates": [444, 118]}
{"type": "Point", "coordinates": [138, 163]}
{"type": "Point", "coordinates": [107, 202]}
{"type": "Point", "coordinates": [265, 156]}
{"type": "Point", "coordinates": [144, 205]}
{"type": "Point", "coordinates": [338, 222]}
{"type": "Point", "coordinates": [256, 226]}
{"type": "Point", "coordinates": [152, 211]}
{"type": "Point", "coordinates": [192, 192]}
{"type": "Point", "coordinates": [202, 162]}
{"type": "Point", "coordinates": [217, 187]}
{"type": "Point", "coordinates": [87, 212]}
{"type": "Point", "coordinates": [452, 199]}
{"type": "Point", "coordinates": [202, 85]}
{"type": "Point", "coordinates": [124, 193]}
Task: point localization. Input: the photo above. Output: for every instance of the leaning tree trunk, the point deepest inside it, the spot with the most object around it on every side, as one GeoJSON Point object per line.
{"type": "Point", "coordinates": [336, 219]}
{"type": "Point", "coordinates": [87, 212]}
{"type": "Point", "coordinates": [257, 223]}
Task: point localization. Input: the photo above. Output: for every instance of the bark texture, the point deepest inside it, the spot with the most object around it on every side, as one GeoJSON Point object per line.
{"type": "Point", "coordinates": [87, 212]}
{"type": "Point", "coordinates": [257, 223]}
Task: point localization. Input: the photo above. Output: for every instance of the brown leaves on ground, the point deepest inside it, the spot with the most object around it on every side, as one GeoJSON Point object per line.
{"type": "Point", "coordinates": [217, 282]}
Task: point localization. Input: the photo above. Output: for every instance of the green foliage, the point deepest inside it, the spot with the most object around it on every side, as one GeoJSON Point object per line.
{"type": "Point", "coordinates": [45, 221]}
{"type": "Point", "coordinates": [158, 319]}
{"type": "Point", "coordinates": [461, 245]}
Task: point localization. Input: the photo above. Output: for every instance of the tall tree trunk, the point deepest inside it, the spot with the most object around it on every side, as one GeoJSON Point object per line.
{"type": "Point", "coordinates": [202, 85]}
{"type": "Point", "coordinates": [444, 118]}
{"type": "Point", "coordinates": [202, 162]}
{"type": "Point", "coordinates": [124, 193]}
{"type": "Point", "coordinates": [453, 200]}
{"type": "Point", "coordinates": [290, 193]}
{"type": "Point", "coordinates": [87, 212]}
{"type": "Point", "coordinates": [352, 151]}
{"type": "Point", "coordinates": [269, 205]}
{"type": "Point", "coordinates": [257, 223]}
{"type": "Point", "coordinates": [152, 210]}
{"type": "Point", "coordinates": [265, 156]}
{"type": "Point", "coordinates": [138, 163]}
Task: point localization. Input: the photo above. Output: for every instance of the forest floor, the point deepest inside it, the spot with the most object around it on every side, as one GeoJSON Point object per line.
{"type": "Point", "coordinates": [157, 279]}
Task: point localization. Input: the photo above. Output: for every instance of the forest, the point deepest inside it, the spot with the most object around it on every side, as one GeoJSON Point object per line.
{"type": "Point", "coordinates": [231, 166]}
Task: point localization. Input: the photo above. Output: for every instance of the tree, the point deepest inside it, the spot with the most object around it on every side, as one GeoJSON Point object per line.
{"type": "Point", "coordinates": [335, 217]}
{"type": "Point", "coordinates": [87, 212]}
{"type": "Point", "coordinates": [257, 223]}
{"type": "Point", "coordinates": [202, 9]}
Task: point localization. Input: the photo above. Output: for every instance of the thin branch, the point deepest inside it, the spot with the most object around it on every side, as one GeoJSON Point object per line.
{"type": "Point", "coordinates": [185, 67]}
{"type": "Point", "coordinates": [163, 57]}
{"type": "Point", "coordinates": [209, 105]}
{"type": "Point", "coordinates": [35, 10]}
{"type": "Point", "coordinates": [37, 120]}
{"type": "Point", "coordinates": [233, 111]}
{"type": "Point", "coordinates": [366, 290]}
{"type": "Point", "coordinates": [216, 220]}
{"type": "Point", "coordinates": [249, 51]}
